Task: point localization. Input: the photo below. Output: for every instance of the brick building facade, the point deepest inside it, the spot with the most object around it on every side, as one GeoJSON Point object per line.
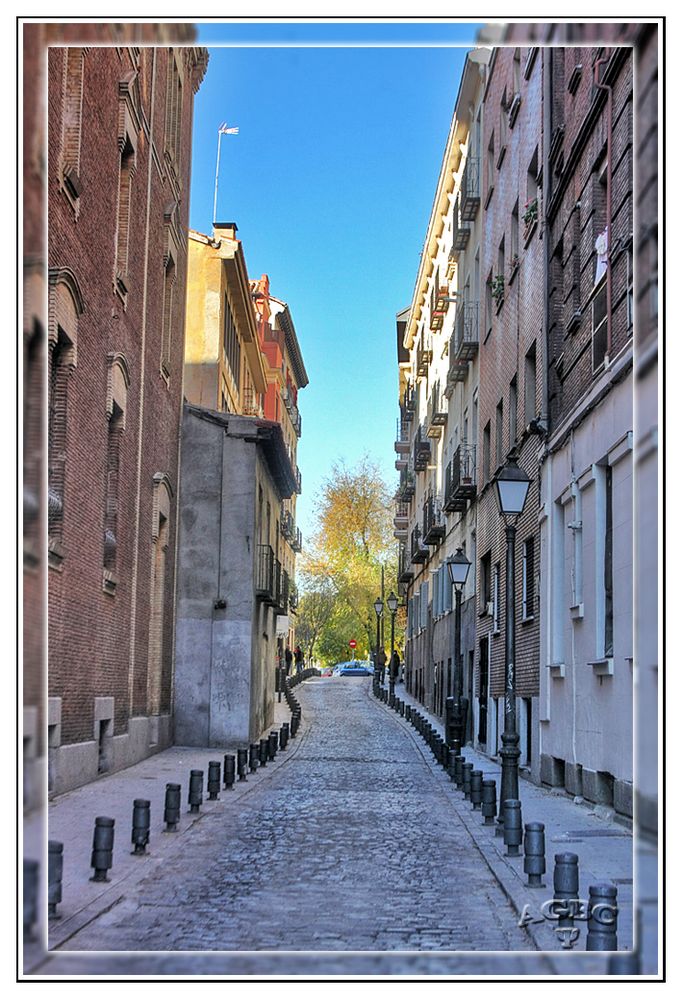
{"type": "Point", "coordinates": [511, 365]}
{"type": "Point", "coordinates": [119, 135]}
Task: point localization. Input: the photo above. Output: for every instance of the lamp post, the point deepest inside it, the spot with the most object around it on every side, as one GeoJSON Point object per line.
{"type": "Point", "coordinates": [458, 568]}
{"type": "Point", "coordinates": [392, 604]}
{"type": "Point", "coordinates": [512, 487]}
{"type": "Point", "coordinates": [379, 608]}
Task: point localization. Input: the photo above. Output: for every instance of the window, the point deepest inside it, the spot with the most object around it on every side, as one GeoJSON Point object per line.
{"type": "Point", "coordinates": [516, 72]}
{"type": "Point", "coordinates": [167, 317]}
{"type": "Point", "coordinates": [599, 323]}
{"type": "Point", "coordinates": [530, 386]}
{"type": "Point", "coordinates": [531, 207]}
{"type": "Point", "coordinates": [490, 166]}
{"type": "Point", "coordinates": [557, 583]}
{"type": "Point", "coordinates": [159, 589]}
{"type": "Point", "coordinates": [528, 579]}
{"type": "Point", "coordinates": [485, 580]}
{"type": "Point", "coordinates": [118, 380]}
{"type": "Point", "coordinates": [126, 171]}
{"type": "Point", "coordinates": [503, 127]}
{"type": "Point", "coordinates": [174, 106]}
{"type": "Point", "coordinates": [629, 290]}
{"type": "Point", "coordinates": [489, 304]}
{"type": "Point", "coordinates": [608, 582]}
{"type": "Point", "coordinates": [499, 434]}
{"type": "Point", "coordinates": [70, 165]}
{"type": "Point", "coordinates": [496, 597]}
{"type": "Point", "coordinates": [512, 412]}
{"type": "Point", "coordinates": [514, 237]}
{"type": "Point", "coordinates": [231, 344]}
{"type": "Point", "coordinates": [501, 257]}
{"type": "Point", "coordinates": [487, 452]}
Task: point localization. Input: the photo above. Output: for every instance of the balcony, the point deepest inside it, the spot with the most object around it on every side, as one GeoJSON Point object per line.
{"type": "Point", "coordinates": [405, 572]}
{"type": "Point", "coordinates": [293, 597]}
{"type": "Point", "coordinates": [461, 230]}
{"type": "Point", "coordinates": [406, 487]}
{"type": "Point", "coordinates": [437, 411]}
{"type": "Point", "coordinates": [286, 524]}
{"type": "Point", "coordinates": [419, 552]}
{"type": "Point", "coordinates": [470, 195]}
{"type": "Point", "coordinates": [464, 342]}
{"type": "Point", "coordinates": [460, 479]}
{"type": "Point", "coordinates": [402, 442]}
{"type": "Point", "coordinates": [401, 521]}
{"type": "Point", "coordinates": [297, 476]}
{"type": "Point", "coordinates": [422, 452]}
{"type": "Point", "coordinates": [433, 521]}
{"type": "Point", "coordinates": [438, 307]}
{"type": "Point", "coordinates": [265, 575]}
{"type": "Point", "coordinates": [424, 355]}
{"type": "Point", "coordinates": [296, 541]}
{"type": "Point", "coordinates": [251, 403]}
{"type": "Point", "coordinates": [408, 404]}
{"type": "Point", "coordinates": [296, 420]}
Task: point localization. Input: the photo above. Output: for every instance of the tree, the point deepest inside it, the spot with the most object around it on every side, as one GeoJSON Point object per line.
{"type": "Point", "coordinates": [353, 541]}
{"type": "Point", "coordinates": [315, 608]}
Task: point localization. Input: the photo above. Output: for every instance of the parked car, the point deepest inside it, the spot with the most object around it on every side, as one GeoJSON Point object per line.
{"type": "Point", "coordinates": [355, 668]}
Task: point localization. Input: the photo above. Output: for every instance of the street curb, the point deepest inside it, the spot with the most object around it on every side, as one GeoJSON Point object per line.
{"type": "Point", "coordinates": [517, 894]}
{"type": "Point", "coordinates": [60, 931]}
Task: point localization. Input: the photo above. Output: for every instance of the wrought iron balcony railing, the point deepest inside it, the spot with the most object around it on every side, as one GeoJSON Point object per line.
{"type": "Point", "coordinates": [422, 451]}
{"type": "Point", "coordinates": [419, 552]}
{"type": "Point", "coordinates": [460, 480]}
{"type": "Point", "coordinates": [437, 410]}
{"type": "Point", "coordinates": [402, 442]}
{"type": "Point", "coordinates": [405, 570]}
{"type": "Point", "coordinates": [470, 194]}
{"type": "Point", "coordinates": [424, 355]}
{"type": "Point", "coordinates": [265, 573]}
{"type": "Point", "coordinates": [464, 342]}
{"type": "Point", "coordinates": [433, 521]}
{"type": "Point", "coordinates": [406, 486]}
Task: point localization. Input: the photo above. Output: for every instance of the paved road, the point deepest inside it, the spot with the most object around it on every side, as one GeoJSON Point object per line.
{"type": "Point", "coordinates": [384, 862]}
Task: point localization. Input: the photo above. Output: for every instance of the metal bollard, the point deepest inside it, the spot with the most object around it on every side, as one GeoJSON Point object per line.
{"type": "Point", "coordinates": [253, 756]}
{"type": "Point", "coordinates": [263, 752]}
{"type": "Point", "coordinates": [627, 963]}
{"type": "Point", "coordinates": [272, 745]}
{"type": "Point", "coordinates": [228, 770]}
{"type": "Point", "coordinates": [488, 801]}
{"type": "Point", "coordinates": [457, 770]}
{"type": "Point", "coordinates": [242, 756]}
{"type": "Point", "coordinates": [602, 917]}
{"type": "Point", "coordinates": [467, 769]}
{"type": "Point", "coordinates": [172, 807]}
{"type": "Point", "coordinates": [141, 824]}
{"type": "Point", "coordinates": [451, 764]}
{"type": "Point", "coordinates": [30, 885]}
{"type": "Point", "coordinates": [284, 735]}
{"type": "Point", "coordinates": [455, 745]}
{"type": "Point", "coordinates": [213, 783]}
{"type": "Point", "coordinates": [195, 797]}
{"type": "Point", "coordinates": [566, 886]}
{"type": "Point", "coordinates": [102, 848]}
{"type": "Point", "coordinates": [512, 826]}
{"type": "Point", "coordinates": [475, 788]}
{"type": "Point", "coordinates": [534, 853]}
{"type": "Point", "coordinates": [55, 868]}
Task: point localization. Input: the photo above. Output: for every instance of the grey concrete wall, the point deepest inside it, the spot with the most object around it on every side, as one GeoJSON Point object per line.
{"type": "Point", "coordinates": [222, 684]}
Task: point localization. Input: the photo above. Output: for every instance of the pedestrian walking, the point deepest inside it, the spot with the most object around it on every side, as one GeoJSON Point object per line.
{"type": "Point", "coordinates": [298, 659]}
{"type": "Point", "coordinates": [394, 666]}
{"type": "Point", "coordinates": [382, 663]}
{"type": "Point", "coordinates": [288, 661]}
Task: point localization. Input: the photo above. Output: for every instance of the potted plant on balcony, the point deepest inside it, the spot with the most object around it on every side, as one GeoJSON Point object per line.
{"type": "Point", "coordinates": [514, 264]}
{"type": "Point", "coordinates": [530, 216]}
{"type": "Point", "coordinates": [497, 283]}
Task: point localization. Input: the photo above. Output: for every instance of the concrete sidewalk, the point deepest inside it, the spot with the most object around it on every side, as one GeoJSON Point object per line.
{"type": "Point", "coordinates": [605, 849]}
{"type": "Point", "coordinates": [71, 820]}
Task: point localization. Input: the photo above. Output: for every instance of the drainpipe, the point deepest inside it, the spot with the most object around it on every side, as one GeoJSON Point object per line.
{"type": "Point", "coordinates": [603, 86]}
{"type": "Point", "coordinates": [545, 137]}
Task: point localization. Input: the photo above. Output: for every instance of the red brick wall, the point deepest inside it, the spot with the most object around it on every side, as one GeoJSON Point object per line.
{"type": "Point", "coordinates": [89, 630]}
{"type": "Point", "coordinates": [516, 327]}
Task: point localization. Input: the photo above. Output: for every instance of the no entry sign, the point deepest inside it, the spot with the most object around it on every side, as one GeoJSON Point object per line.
{"type": "Point", "coordinates": [352, 643]}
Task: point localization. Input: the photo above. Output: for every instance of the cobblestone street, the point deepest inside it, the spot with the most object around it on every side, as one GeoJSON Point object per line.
{"type": "Point", "coordinates": [385, 862]}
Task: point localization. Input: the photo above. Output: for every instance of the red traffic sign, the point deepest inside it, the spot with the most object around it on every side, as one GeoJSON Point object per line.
{"type": "Point", "coordinates": [352, 643]}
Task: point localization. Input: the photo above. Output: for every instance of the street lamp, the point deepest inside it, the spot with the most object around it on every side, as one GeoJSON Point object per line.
{"type": "Point", "coordinates": [379, 608]}
{"type": "Point", "coordinates": [392, 604]}
{"type": "Point", "coordinates": [512, 487]}
{"type": "Point", "coordinates": [458, 568]}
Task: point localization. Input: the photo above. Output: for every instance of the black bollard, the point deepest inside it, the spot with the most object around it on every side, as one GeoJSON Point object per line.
{"type": "Point", "coordinates": [102, 848]}
{"type": "Point", "coordinates": [488, 801]}
{"type": "Point", "coordinates": [213, 783]}
{"type": "Point", "coordinates": [55, 868]}
{"type": "Point", "coordinates": [141, 824]}
{"type": "Point", "coordinates": [263, 752]}
{"type": "Point", "coordinates": [534, 853]}
{"type": "Point", "coordinates": [451, 764]}
{"type": "Point", "coordinates": [272, 745]}
{"type": "Point", "coordinates": [284, 735]}
{"type": "Point", "coordinates": [602, 917]}
{"type": "Point", "coordinates": [228, 770]}
{"type": "Point", "coordinates": [172, 807]}
{"type": "Point", "coordinates": [30, 884]}
{"type": "Point", "coordinates": [475, 788]}
{"type": "Point", "coordinates": [467, 769]}
{"type": "Point", "coordinates": [512, 826]}
{"type": "Point", "coordinates": [627, 963]}
{"type": "Point", "coordinates": [457, 770]}
{"type": "Point", "coordinates": [455, 745]}
{"type": "Point", "coordinates": [566, 887]}
{"type": "Point", "coordinates": [253, 756]}
{"type": "Point", "coordinates": [195, 797]}
{"type": "Point", "coordinates": [242, 755]}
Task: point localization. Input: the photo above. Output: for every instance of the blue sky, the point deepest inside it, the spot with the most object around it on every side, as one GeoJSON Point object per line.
{"type": "Point", "coordinates": [330, 181]}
